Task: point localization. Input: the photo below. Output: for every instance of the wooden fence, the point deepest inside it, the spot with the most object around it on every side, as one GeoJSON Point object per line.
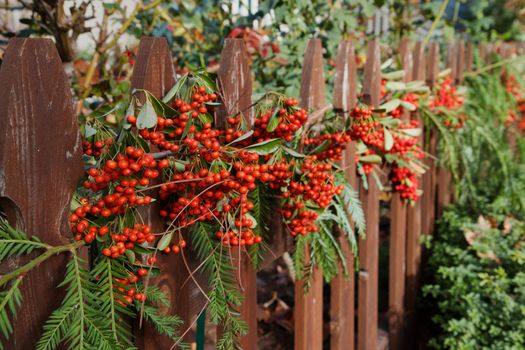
{"type": "Point", "coordinates": [40, 166]}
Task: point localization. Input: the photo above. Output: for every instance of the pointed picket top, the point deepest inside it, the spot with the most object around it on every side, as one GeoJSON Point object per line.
{"type": "Point", "coordinates": [469, 57]}
{"type": "Point", "coordinates": [40, 167]}
{"type": "Point", "coordinates": [153, 70]}
{"type": "Point", "coordinates": [407, 59]}
{"type": "Point", "coordinates": [308, 311]}
{"type": "Point", "coordinates": [452, 61]}
{"type": "Point", "coordinates": [312, 80]}
{"type": "Point", "coordinates": [419, 70]}
{"type": "Point", "coordinates": [234, 82]}
{"type": "Point", "coordinates": [460, 64]}
{"type": "Point", "coordinates": [433, 64]}
{"type": "Point", "coordinates": [345, 89]}
{"type": "Point", "coordinates": [372, 77]}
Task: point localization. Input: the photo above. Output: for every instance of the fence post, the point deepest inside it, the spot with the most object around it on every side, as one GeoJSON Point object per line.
{"type": "Point", "coordinates": [428, 203]}
{"type": "Point", "coordinates": [40, 167]}
{"type": "Point", "coordinates": [369, 247]}
{"type": "Point", "coordinates": [444, 176]}
{"type": "Point", "coordinates": [235, 88]}
{"type": "Point", "coordinates": [154, 72]}
{"type": "Point", "coordinates": [469, 58]}
{"type": "Point", "coordinates": [342, 290]}
{"type": "Point", "coordinates": [414, 220]}
{"type": "Point", "coordinates": [308, 311]}
{"type": "Point", "coordinates": [398, 228]}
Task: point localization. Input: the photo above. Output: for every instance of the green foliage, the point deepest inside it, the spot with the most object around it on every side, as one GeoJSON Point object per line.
{"type": "Point", "coordinates": [10, 299]}
{"type": "Point", "coordinates": [15, 243]}
{"type": "Point", "coordinates": [224, 296]}
{"type": "Point", "coordinates": [77, 322]}
{"type": "Point", "coordinates": [478, 279]}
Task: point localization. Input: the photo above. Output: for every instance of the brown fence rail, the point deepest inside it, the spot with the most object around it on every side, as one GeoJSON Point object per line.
{"type": "Point", "coordinates": [40, 166]}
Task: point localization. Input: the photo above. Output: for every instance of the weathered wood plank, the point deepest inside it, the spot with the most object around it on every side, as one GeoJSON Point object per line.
{"type": "Point", "coordinates": [40, 167]}
{"type": "Point", "coordinates": [444, 177]}
{"type": "Point", "coordinates": [428, 202]}
{"type": "Point", "coordinates": [308, 312]}
{"type": "Point", "coordinates": [342, 290]}
{"type": "Point", "coordinates": [398, 230]}
{"type": "Point", "coordinates": [369, 247]}
{"type": "Point", "coordinates": [154, 72]}
{"type": "Point", "coordinates": [235, 88]}
{"type": "Point", "coordinates": [414, 222]}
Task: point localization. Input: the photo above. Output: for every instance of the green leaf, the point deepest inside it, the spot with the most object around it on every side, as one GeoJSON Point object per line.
{"type": "Point", "coordinates": [161, 108]}
{"type": "Point", "coordinates": [389, 139]}
{"type": "Point", "coordinates": [293, 153]}
{"type": "Point", "coordinates": [395, 75]}
{"type": "Point", "coordinates": [206, 118]}
{"type": "Point", "coordinates": [321, 147]}
{"type": "Point", "coordinates": [390, 105]}
{"type": "Point", "coordinates": [89, 131]}
{"type": "Point", "coordinates": [130, 255]}
{"type": "Point", "coordinates": [147, 117]}
{"type": "Point", "coordinates": [265, 147]}
{"type": "Point", "coordinates": [371, 158]}
{"type": "Point", "coordinates": [411, 132]}
{"type": "Point", "coordinates": [129, 112]}
{"type": "Point", "coordinates": [408, 106]}
{"type": "Point", "coordinates": [395, 86]}
{"type": "Point", "coordinates": [274, 121]}
{"type": "Point", "coordinates": [164, 241]}
{"type": "Point", "coordinates": [175, 89]}
{"type": "Point", "coordinates": [242, 137]}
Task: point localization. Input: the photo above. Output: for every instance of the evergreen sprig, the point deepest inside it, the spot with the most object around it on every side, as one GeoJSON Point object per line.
{"type": "Point", "coordinates": [15, 243]}
{"type": "Point", "coordinates": [77, 323]}
{"type": "Point", "coordinates": [10, 299]}
{"type": "Point", "coordinates": [224, 296]}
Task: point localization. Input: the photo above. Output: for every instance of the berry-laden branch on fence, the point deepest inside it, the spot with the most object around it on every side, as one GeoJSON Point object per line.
{"type": "Point", "coordinates": [219, 186]}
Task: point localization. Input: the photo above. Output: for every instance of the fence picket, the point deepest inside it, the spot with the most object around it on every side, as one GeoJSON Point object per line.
{"type": "Point", "coordinates": [235, 88]}
{"type": "Point", "coordinates": [398, 229]}
{"type": "Point", "coordinates": [414, 221]}
{"type": "Point", "coordinates": [40, 167]}
{"type": "Point", "coordinates": [444, 176]}
{"type": "Point", "coordinates": [367, 318]}
{"type": "Point", "coordinates": [428, 207]}
{"type": "Point", "coordinates": [308, 312]}
{"type": "Point", "coordinates": [342, 290]}
{"type": "Point", "coordinates": [154, 72]}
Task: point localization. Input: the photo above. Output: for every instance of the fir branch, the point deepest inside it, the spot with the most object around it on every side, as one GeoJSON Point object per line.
{"type": "Point", "coordinates": [224, 296]}
{"type": "Point", "coordinates": [260, 212]}
{"type": "Point", "coordinates": [350, 198]}
{"type": "Point", "coordinates": [166, 325]}
{"type": "Point", "coordinates": [105, 271]}
{"type": "Point", "coordinates": [16, 243]}
{"type": "Point", "coordinates": [9, 299]}
{"type": "Point", "coordinates": [38, 260]}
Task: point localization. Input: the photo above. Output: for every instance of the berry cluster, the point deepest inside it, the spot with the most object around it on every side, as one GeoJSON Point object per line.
{"type": "Point", "coordinates": [447, 99]}
{"type": "Point", "coordinates": [96, 148]}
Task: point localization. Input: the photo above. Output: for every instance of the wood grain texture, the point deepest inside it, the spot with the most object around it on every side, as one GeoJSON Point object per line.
{"type": "Point", "coordinates": [444, 176]}
{"type": "Point", "coordinates": [154, 72]}
{"type": "Point", "coordinates": [308, 311]}
{"type": "Point", "coordinates": [398, 231]}
{"type": "Point", "coordinates": [367, 317]}
{"type": "Point", "coordinates": [234, 82]}
{"type": "Point", "coordinates": [40, 167]}
{"type": "Point", "coordinates": [428, 201]}
{"type": "Point", "coordinates": [469, 57]}
{"type": "Point", "coordinates": [235, 87]}
{"type": "Point", "coordinates": [414, 220]}
{"type": "Point", "coordinates": [342, 289]}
